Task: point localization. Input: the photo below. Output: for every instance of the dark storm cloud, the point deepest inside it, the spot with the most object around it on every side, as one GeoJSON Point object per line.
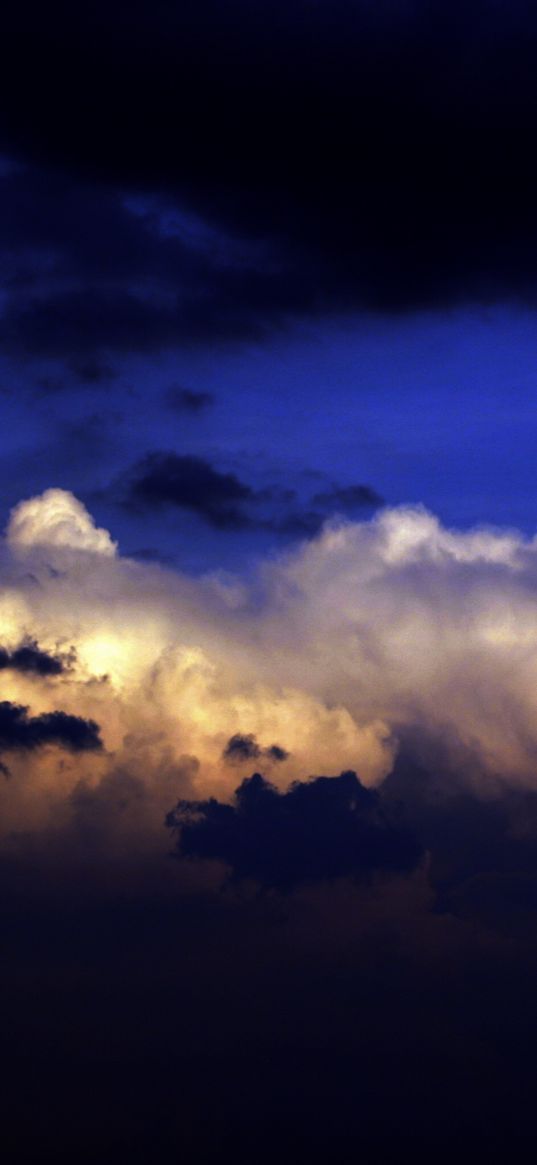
{"type": "Point", "coordinates": [242, 747]}
{"type": "Point", "coordinates": [18, 730]}
{"type": "Point", "coordinates": [184, 400]}
{"type": "Point", "coordinates": [326, 828]}
{"type": "Point", "coordinates": [381, 151]}
{"type": "Point", "coordinates": [29, 658]}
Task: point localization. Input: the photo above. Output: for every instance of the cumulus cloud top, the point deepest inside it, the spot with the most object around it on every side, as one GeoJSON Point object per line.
{"type": "Point", "coordinates": [56, 519]}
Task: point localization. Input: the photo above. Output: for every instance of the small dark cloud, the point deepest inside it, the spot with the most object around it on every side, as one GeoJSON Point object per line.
{"type": "Point", "coordinates": [18, 730]}
{"type": "Point", "coordinates": [29, 658]}
{"type": "Point", "coordinates": [329, 827]}
{"type": "Point", "coordinates": [190, 483]}
{"type": "Point", "coordinates": [225, 501]}
{"type": "Point", "coordinates": [184, 400]}
{"type": "Point", "coordinates": [243, 747]}
{"type": "Point", "coordinates": [276, 752]}
{"type": "Point", "coordinates": [349, 497]}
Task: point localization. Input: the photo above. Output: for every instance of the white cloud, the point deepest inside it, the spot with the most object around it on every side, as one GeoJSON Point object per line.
{"type": "Point", "coordinates": [56, 519]}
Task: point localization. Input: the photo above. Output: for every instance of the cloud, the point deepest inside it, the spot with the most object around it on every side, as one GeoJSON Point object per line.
{"type": "Point", "coordinates": [276, 752]}
{"type": "Point", "coordinates": [226, 502]}
{"type": "Point", "coordinates": [29, 658]}
{"type": "Point", "coordinates": [332, 652]}
{"type": "Point", "coordinates": [18, 730]}
{"type": "Point", "coordinates": [241, 748]}
{"type": "Point", "coordinates": [192, 484]}
{"type": "Point", "coordinates": [327, 828]}
{"type": "Point", "coordinates": [56, 520]}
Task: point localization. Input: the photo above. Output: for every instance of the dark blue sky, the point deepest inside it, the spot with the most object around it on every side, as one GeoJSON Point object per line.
{"type": "Point", "coordinates": [433, 408]}
{"type": "Point", "coordinates": [307, 262]}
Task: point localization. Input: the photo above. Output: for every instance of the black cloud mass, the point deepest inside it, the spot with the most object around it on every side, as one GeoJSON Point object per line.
{"type": "Point", "coordinates": [328, 828]}
{"type": "Point", "coordinates": [29, 658]}
{"type": "Point", "coordinates": [18, 730]}
{"type": "Point", "coordinates": [193, 484]}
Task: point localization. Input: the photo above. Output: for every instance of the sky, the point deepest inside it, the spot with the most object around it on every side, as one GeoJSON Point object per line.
{"type": "Point", "coordinates": [268, 580]}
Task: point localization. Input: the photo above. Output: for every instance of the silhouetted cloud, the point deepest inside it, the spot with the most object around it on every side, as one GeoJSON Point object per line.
{"type": "Point", "coordinates": [276, 752]}
{"type": "Point", "coordinates": [18, 730]}
{"type": "Point", "coordinates": [323, 829]}
{"type": "Point", "coordinates": [192, 484]}
{"type": "Point", "coordinates": [30, 658]}
{"type": "Point", "coordinates": [226, 502]}
{"type": "Point", "coordinates": [242, 747]}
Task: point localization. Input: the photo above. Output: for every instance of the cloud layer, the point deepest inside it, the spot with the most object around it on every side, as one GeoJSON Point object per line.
{"type": "Point", "coordinates": [333, 650]}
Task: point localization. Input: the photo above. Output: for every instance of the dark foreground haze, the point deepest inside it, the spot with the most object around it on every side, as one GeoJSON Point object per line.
{"type": "Point", "coordinates": [381, 996]}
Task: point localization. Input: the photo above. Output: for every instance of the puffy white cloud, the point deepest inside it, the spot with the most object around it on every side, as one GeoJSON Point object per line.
{"type": "Point", "coordinates": [56, 519]}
